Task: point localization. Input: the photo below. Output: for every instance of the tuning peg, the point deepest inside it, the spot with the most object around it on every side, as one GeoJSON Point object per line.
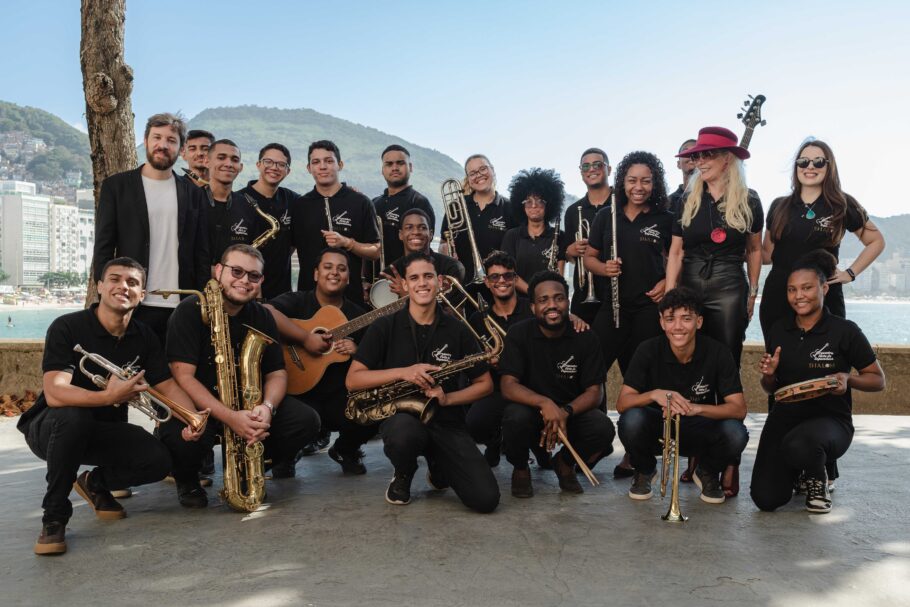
{"type": "Point", "coordinates": [751, 97]}
{"type": "Point", "coordinates": [740, 115]}
{"type": "Point", "coordinates": [764, 122]}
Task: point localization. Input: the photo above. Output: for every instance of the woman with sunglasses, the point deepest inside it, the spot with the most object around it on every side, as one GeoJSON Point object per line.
{"type": "Point", "coordinates": [534, 243]}
{"type": "Point", "coordinates": [803, 437]}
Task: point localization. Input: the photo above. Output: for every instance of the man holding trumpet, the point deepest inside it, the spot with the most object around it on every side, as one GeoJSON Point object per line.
{"type": "Point", "coordinates": [74, 422]}
{"type": "Point", "coordinates": [552, 376]}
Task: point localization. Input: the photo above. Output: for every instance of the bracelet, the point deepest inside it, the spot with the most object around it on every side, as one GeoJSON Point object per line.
{"type": "Point", "coordinates": [350, 248]}
{"type": "Point", "coordinates": [851, 273]}
{"type": "Point", "coordinates": [753, 291]}
{"type": "Point", "coordinates": [271, 407]}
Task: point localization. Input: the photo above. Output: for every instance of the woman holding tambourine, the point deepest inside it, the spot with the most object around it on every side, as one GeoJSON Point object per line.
{"type": "Point", "coordinates": [809, 358]}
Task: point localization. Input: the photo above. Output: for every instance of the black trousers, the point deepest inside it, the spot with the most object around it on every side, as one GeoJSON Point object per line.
{"type": "Point", "coordinates": [294, 426]}
{"type": "Point", "coordinates": [484, 419]}
{"type": "Point", "coordinates": [351, 436]}
{"type": "Point", "coordinates": [156, 317]}
{"type": "Point", "coordinates": [726, 293]}
{"type": "Point", "coordinates": [789, 445]}
{"type": "Point", "coordinates": [449, 449]}
{"type": "Point", "coordinates": [717, 443]}
{"type": "Point", "coordinates": [591, 434]}
{"type": "Point", "coordinates": [635, 326]}
{"type": "Point", "coordinates": [67, 437]}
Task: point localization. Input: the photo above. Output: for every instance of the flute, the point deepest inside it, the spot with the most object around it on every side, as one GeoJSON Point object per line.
{"type": "Point", "coordinates": [614, 253]}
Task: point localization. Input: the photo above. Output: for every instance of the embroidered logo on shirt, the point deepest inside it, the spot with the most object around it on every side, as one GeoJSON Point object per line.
{"type": "Point", "coordinates": [822, 354]}
{"type": "Point", "coordinates": [440, 354]}
{"type": "Point", "coordinates": [700, 388]}
{"type": "Point", "coordinates": [239, 229]}
{"type": "Point", "coordinates": [498, 223]}
{"type": "Point", "coordinates": [567, 367]}
{"type": "Point", "coordinates": [392, 215]}
{"type": "Point", "coordinates": [341, 220]}
{"type": "Point", "coordinates": [651, 231]}
{"type": "Point", "coordinates": [824, 222]}
{"type": "Point", "coordinates": [285, 218]}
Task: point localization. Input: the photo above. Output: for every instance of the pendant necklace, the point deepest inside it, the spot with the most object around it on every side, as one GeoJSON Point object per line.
{"type": "Point", "coordinates": [809, 212]}
{"type": "Point", "coordinates": [718, 235]}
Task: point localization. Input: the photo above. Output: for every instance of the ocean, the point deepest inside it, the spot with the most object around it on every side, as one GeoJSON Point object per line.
{"type": "Point", "coordinates": [882, 322]}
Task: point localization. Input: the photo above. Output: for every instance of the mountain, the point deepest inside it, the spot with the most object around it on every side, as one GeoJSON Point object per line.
{"type": "Point", "coordinates": [67, 148]}
{"type": "Point", "coordinates": [896, 230]}
{"type": "Point", "coordinates": [251, 127]}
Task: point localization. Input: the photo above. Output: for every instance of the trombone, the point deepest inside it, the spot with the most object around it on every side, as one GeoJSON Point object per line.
{"type": "Point", "coordinates": [671, 451]}
{"type": "Point", "coordinates": [459, 217]}
{"type": "Point", "coordinates": [584, 277]}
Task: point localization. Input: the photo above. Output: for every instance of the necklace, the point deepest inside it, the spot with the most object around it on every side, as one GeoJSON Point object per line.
{"type": "Point", "coordinates": [719, 234]}
{"type": "Point", "coordinates": [809, 212]}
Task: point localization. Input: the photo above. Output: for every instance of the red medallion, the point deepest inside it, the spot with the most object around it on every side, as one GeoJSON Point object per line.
{"type": "Point", "coordinates": [718, 235]}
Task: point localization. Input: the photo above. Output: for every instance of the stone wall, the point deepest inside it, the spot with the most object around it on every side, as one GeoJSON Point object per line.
{"type": "Point", "coordinates": [20, 369]}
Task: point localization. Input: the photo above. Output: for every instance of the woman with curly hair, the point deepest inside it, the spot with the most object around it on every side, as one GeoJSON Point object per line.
{"type": "Point", "coordinates": [718, 225]}
{"type": "Point", "coordinates": [643, 231]}
{"type": "Point", "coordinates": [537, 196]}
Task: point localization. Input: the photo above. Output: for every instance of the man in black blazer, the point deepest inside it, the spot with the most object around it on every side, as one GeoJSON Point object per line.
{"type": "Point", "coordinates": [158, 219]}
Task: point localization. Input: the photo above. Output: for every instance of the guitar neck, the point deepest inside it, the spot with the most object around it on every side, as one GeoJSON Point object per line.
{"type": "Point", "coordinates": [360, 322]}
{"type": "Point", "coordinates": [747, 137]}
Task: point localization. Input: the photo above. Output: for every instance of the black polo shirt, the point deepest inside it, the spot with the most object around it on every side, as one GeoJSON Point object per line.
{"type": "Point", "coordinates": [642, 245]}
{"type": "Point", "coordinates": [570, 226]}
{"type": "Point", "coordinates": [531, 253]}
{"type": "Point", "coordinates": [138, 346]}
{"type": "Point", "coordinates": [397, 341]}
{"type": "Point", "coordinates": [522, 312]}
{"type": "Point", "coordinates": [276, 251]}
{"type": "Point", "coordinates": [833, 345]}
{"type": "Point", "coordinates": [676, 199]}
{"type": "Point", "coordinates": [490, 226]}
{"type": "Point", "coordinates": [189, 340]}
{"type": "Point", "coordinates": [231, 222]}
{"type": "Point", "coordinates": [560, 368]}
{"type": "Point", "coordinates": [390, 210]}
{"type": "Point", "coordinates": [445, 265]}
{"type": "Point", "coordinates": [697, 236]}
{"type": "Point", "coordinates": [303, 305]}
{"type": "Point", "coordinates": [352, 216]}
{"type": "Point", "coordinates": [707, 379]}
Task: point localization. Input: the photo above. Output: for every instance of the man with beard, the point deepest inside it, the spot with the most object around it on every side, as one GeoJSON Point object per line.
{"type": "Point", "coordinates": [196, 154]}
{"type": "Point", "coordinates": [595, 169]}
{"type": "Point", "coordinates": [687, 166]}
{"type": "Point", "coordinates": [283, 424]}
{"type": "Point", "coordinates": [156, 218]}
{"type": "Point", "coordinates": [397, 198]}
{"type": "Point", "coordinates": [231, 218]}
{"type": "Point", "coordinates": [274, 166]}
{"type": "Point", "coordinates": [553, 378]}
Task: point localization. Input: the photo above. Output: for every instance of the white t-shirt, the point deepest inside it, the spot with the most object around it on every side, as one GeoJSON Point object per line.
{"type": "Point", "coordinates": [163, 270]}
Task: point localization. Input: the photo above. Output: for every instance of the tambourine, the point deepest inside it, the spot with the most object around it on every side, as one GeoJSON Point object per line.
{"type": "Point", "coordinates": [804, 390]}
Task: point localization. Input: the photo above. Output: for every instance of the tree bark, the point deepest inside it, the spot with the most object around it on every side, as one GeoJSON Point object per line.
{"type": "Point", "coordinates": [108, 84]}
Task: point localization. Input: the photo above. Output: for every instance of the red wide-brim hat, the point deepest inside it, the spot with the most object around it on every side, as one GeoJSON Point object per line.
{"type": "Point", "coordinates": [716, 138]}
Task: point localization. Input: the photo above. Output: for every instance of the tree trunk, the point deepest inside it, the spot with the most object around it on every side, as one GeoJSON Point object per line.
{"type": "Point", "coordinates": [108, 83]}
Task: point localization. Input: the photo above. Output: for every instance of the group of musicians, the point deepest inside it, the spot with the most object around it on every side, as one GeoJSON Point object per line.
{"type": "Point", "coordinates": [515, 361]}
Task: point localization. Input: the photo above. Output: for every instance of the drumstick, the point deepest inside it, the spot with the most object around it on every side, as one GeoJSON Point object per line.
{"type": "Point", "coordinates": [581, 464]}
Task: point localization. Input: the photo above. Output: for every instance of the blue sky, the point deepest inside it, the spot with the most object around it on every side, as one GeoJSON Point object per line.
{"type": "Point", "coordinates": [528, 83]}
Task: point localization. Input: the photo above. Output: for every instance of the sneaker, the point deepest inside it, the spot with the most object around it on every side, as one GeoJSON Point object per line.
{"type": "Point", "coordinates": [568, 480]}
{"type": "Point", "coordinates": [818, 500]}
{"type": "Point", "coordinates": [192, 495]}
{"type": "Point", "coordinates": [208, 464]}
{"type": "Point", "coordinates": [351, 463]}
{"type": "Point", "coordinates": [831, 485]}
{"type": "Point", "coordinates": [521, 483]}
{"type": "Point", "coordinates": [641, 486]}
{"type": "Point", "coordinates": [318, 445]}
{"type": "Point", "coordinates": [101, 500]}
{"type": "Point", "coordinates": [799, 485]}
{"type": "Point", "coordinates": [435, 478]}
{"type": "Point", "coordinates": [122, 493]}
{"type": "Point", "coordinates": [399, 491]}
{"type": "Point", "coordinates": [709, 483]}
{"type": "Point", "coordinates": [52, 539]}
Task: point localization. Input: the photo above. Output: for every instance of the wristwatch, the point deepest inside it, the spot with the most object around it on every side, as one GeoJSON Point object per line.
{"type": "Point", "coordinates": [271, 407]}
{"type": "Point", "coordinates": [568, 409]}
{"type": "Point", "coordinates": [851, 273]}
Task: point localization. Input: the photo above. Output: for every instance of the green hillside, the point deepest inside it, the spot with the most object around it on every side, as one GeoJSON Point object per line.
{"type": "Point", "coordinates": [70, 147]}
{"type": "Point", "coordinates": [896, 230]}
{"type": "Point", "coordinates": [252, 127]}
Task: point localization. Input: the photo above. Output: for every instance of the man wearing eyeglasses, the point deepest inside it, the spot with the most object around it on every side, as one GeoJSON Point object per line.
{"type": "Point", "coordinates": [687, 165]}
{"type": "Point", "coordinates": [231, 217]}
{"type": "Point", "coordinates": [274, 166]}
{"type": "Point", "coordinates": [595, 169]}
{"type": "Point", "coordinates": [283, 424]}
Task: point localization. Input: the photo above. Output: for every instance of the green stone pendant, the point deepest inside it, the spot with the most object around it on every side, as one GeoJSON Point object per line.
{"type": "Point", "coordinates": [810, 214]}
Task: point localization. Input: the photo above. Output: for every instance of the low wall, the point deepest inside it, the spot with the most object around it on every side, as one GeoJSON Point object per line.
{"type": "Point", "coordinates": [20, 369]}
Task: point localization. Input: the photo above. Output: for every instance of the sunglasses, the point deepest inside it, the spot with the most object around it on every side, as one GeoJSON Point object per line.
{"type": "Point", "coordinates": [506, 276]}
{"type": "Point", "coordinates": [706, 154]}
{"type": "Point", "coordinates": [238, 272]}
{"type": "Point", "coordinates": [589, 166]}
{"type": "Point", "coordinates": [818, 163]}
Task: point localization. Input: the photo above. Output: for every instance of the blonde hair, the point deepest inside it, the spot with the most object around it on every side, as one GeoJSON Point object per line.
{"type": "Point", "coordinates": [734, 203]}
{"type": "Point", "coordinates": [465, 184]}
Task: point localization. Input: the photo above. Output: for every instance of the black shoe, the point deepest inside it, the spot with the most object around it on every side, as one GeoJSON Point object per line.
{"type": "Point", "coordinates": [435, 478]}
{"type": "Point", "coordinates": [351, 463]}
{"type": "Point", "coordinates": [399, 491]}
{"type": "Point", "coordinates": [284, 469]}
{"type": "Point", "coordinates": [818, 499]}
{"type": "Point", "coordinates": [52, 539]}
{"type": "Point", "coordinates": [624, 468]}
{"type": "Point", "coordinates": [318, 445]}
{"type": "Point", "coordinates": [641, 486]}
{"type": "Point", "coordinates": [568, 481]}
{"type": "Point", "coordinates": [709, 483]}
{"type": "Point", "coordinates": [99, 498]}
{"type": "Point", "coordinates": [208, 464]}
{"type": "Point", "coordinates": [492, 455]}
{"type": "Point", "coordinates": [192, 495]}
{"type": "Point", "coordinates": [521, 483]}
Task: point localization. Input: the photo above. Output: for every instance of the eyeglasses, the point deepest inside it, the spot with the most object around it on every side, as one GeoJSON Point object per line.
{"type": "Point", "coordinates": [534, 202]}
{"type": "Point", "coordinates": [269, 163]}
{"type": "Point", "coordinates": [706, 154]}
{"type": "Point", "coordinates": [818, 163]}
{"type": "Point", "coordinates": [238, 272]}
{"type": "Point", "coordinates": [484, 170]}
{"type": "Point", "coordinates": [506, 276]}
{"type": "Point", "coordinates": [589, 166]}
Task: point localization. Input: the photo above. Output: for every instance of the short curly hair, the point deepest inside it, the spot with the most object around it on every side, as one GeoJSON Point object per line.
{"type": "Point", "coordinates": [658, 199]}
{"type": "Point", "coordinates": [544, 183]}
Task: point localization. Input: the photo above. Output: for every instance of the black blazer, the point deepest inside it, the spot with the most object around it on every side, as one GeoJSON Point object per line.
{"type": "Point", "coordinates": [122, 227]}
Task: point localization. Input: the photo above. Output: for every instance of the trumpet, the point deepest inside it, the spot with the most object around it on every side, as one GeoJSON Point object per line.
{"type": "Point", "coordinates": [459, 217]}
{"type": "Point", "coordinates": [584, 277]}
{"type": "Point", "coordinates": [148, 402]}
{"type": "Point", "coordinates": [671, 451]}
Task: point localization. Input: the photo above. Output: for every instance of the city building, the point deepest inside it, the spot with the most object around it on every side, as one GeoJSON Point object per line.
{"type": "Point", "coordinates": [24, 238]}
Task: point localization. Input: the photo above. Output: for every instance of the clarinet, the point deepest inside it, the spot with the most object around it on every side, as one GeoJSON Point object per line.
{"type": "Point", "coordinates": [614, 253]}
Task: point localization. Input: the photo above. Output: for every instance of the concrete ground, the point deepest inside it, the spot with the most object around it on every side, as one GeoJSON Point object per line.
{"type": "Point", "coordinates": [326, 540]}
